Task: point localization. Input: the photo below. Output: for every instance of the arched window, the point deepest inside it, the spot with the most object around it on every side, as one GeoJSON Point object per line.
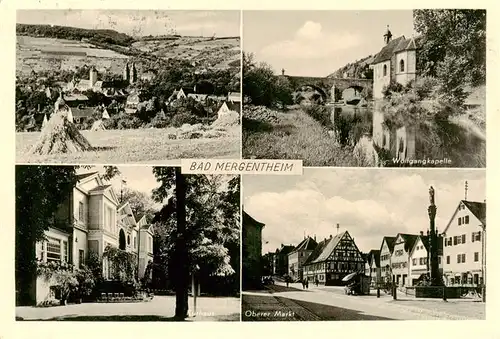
{"type": "Point", "coordinates": [385, 70]}
{"type": "Point", "coordinates": [402, 65]}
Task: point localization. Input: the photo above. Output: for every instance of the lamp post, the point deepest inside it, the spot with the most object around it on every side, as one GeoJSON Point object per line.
{"type": "Point", "coordinates": [194, 288]}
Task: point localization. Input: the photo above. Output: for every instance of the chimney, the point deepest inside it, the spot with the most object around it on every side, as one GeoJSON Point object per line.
{"type": "Point", "coordinates": [421, 232]}
{"type": "Point", "coordinates": [315, 237]}
{"type": "Point", "coordinates": [330, 236]}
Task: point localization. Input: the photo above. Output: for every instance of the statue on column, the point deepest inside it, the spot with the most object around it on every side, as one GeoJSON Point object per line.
{"type": "Point", "coordinates": [282, 71]}
{"type": "Point", "coordinates": [431, 196]}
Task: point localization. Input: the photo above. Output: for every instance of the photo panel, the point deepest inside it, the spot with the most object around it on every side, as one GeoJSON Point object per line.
{"type": "Point", "coordinates": [384, 88]}
{"type": "Point", "coordinates": [354, 244]}
{"type": "Point", "coordinates": [127, 86]}
{"type": "Point", "coordinates": [126, 243]}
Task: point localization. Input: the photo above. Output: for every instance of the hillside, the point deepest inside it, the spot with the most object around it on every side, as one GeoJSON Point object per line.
{"type": "Point", "coordinates": [45, 48]}
{"type": "Point", "coordinates": [358, 69]}
{"type": "Point", "coordinates": [74, 33]}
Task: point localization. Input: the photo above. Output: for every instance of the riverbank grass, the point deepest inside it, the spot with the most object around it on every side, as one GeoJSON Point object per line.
{"type": "Point", "coordinates": [293, 135]}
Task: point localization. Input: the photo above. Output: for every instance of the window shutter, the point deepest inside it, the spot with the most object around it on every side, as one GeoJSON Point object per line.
{"type": "Point", "coordinates": [459, 221]}
{"type": "Point", "coordinates": [463, 238]}
{"type": "Point", "coordinates": [454, 240]}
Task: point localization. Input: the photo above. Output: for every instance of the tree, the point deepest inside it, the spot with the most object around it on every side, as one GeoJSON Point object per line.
{"type": "Point", "coordinates": [212, 222]}
{"type": "Point", "coordinates": [39, 192]}
{"type": "Point", "coordinates": [258, 82]}
{"type": "Point", "coordinates": [140, 203]}
{"type": "Point", "coordinates": [283, 91]}
{"type": "Point", "coordinates": [452, 46]}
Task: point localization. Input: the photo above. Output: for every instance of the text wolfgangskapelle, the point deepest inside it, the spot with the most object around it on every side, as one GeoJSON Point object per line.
{"type": "Point", "coordinates": [241, 166]}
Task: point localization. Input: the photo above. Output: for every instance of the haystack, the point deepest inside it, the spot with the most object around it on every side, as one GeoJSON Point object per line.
{"type": "Point", "coordinates": [60, 135]}
{"type": "Point", "coordinates": [98, 125]}
{"type": "Point", "coordinates": [44, 122]}
{"type": "Point", "coordinates": [228, 119]}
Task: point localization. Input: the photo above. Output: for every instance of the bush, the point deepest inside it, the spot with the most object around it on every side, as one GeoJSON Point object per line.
{"type": "Point", "coordinates": [424, 87]}
{"type": "Point", "coordinates": [393, 87]}
{"type": "Point", "coordinates": [321, 114]}
{"type": "Point", "coordinates": [86, 282]}
{"type": "Point", "coordinates": [183, 118]}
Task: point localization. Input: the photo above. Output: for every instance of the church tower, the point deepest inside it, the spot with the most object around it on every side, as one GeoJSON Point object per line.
{"type": "Point", "coordinates": [126, 73]}
{"type": "Point", "coordinates": [133, 75]}
{"type": "Point", "coordinates": [93, 76]}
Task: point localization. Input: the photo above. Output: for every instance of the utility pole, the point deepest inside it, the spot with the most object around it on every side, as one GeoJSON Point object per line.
{"type": "Point", "coordinates": [182, 268]}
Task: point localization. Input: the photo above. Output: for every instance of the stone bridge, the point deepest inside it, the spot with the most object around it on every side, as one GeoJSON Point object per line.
{"type": "Point", "coordinates": [327, 86]}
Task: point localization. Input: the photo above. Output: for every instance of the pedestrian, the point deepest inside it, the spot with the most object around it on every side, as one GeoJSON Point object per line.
{"type": "Point", "coordinates": [303, 284]}
{"type": "Point", "coordinates": [307, 284]}
{"type": "Point", "coordinates": [287, 279]}
{"type": "Point", "coordinates": [317, 282]}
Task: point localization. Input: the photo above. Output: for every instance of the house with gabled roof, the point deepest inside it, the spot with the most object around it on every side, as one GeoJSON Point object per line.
{"type": "Point", "coordinates": [374, 270]}
{"type": "Point", "coordinates": [401, 256]}
{"type": "Point", "coordinates": [464, 261]}
{"type": "Point", "coordinates": [251, 251]}
{"type": "Point", "coordinates": [396, 62]}
{"type": "Point", "coordinates": [333, 259]}
{"type": "Point", "coordinates": [420, 258]}
{"type": "Point", "coordinates": [88, 221]}
{"type": "Point", "coordinates": [386, 250]}
{"type": "Point", "coordinates": [298, 256]}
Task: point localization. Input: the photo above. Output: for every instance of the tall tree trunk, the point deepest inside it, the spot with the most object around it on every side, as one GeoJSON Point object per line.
{"type": "Point", "coordinates": [182, 276]}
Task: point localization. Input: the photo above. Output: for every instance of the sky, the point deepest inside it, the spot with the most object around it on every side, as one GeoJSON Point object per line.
{"type": "Point", "coordinates": [139, 178]}
{"type": "Point", "coordinates": [368, 203]}
{"type": "Point", "coordinates": [141, 22]}
{"type": "Point", "coordinates": [317, 43]}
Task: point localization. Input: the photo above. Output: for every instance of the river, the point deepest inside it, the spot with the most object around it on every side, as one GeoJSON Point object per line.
{"type": "Point", "coordinates": [431, 144]}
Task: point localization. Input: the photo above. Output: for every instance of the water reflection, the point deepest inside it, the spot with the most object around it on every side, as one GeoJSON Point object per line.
{"type": "Point", "coordinates": [456, 145]}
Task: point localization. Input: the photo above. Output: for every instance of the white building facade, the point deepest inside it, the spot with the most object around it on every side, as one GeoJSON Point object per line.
{"type": "Point", "coordinates": [96, 220]}
{"type": "Point", "coordinates": [464, 262]}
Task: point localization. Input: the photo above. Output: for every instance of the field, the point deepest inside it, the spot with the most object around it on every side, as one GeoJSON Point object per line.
{"type": "Point", "coordinates": [294, 135]}
{"type": "Point", "coordinates": [40, 54]}
{"type": "Point", "coordinates": [148, 146]}
{"type": "Point", "coordinates": [208, 52]}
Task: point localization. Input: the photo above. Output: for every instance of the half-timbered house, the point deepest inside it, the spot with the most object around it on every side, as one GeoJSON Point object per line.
{"type": "Point", "coordinates": [333, 259]}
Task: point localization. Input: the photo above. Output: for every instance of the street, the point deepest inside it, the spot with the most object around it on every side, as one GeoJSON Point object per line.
{"type": "Point", "coordinates": [161, 308]}
{"type": "Point", "coordinates": [280, 303]}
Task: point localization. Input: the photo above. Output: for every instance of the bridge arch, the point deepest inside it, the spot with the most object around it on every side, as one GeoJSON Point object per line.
{"type": "Point", "coordinates": [327, 86]}
{"type": "Point", "coordinates": [320, 90]}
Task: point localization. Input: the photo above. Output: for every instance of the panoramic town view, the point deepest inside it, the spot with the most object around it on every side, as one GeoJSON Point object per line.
{"type": "Point", "coordinates": [366, 88]}
{"type": "Point", "coordinates": [112, 243]}
{"type": "Point", "coordinates": [344, 244]}
{"type": "Point", "coordinates": [127, 86]}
